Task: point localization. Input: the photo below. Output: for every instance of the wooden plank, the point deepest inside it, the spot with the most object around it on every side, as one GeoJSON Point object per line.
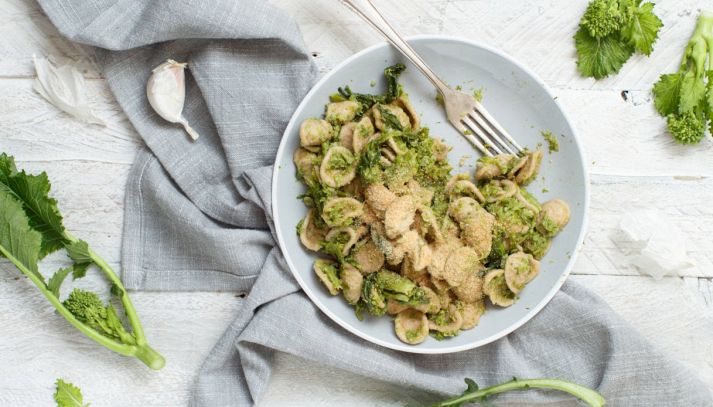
{"type": "Point", "coordinates": [704, 286]}
{"type": "Point", "coordinates": [25, 30]}
{"type": "Point", "coordinates": [682, 200]}
{"type": "Point", "coordinates": [538, 33]}
{"type": "Point", "coordinates": [622, 134]}
{"type": "Point", "coordinates": [35, 130]}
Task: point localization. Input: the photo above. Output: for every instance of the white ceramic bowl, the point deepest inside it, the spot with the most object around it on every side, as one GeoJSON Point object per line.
{"type": "Point", "coordinates": [521, 103]}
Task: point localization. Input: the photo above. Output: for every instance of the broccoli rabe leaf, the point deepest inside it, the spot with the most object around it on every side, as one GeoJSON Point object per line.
{"type": "Point", "coordinates": [7, 169]}
{"type": "Point", "coordinates": [600, 57]}
{"type": "Point", "coordinates": [18, 240]}
{"type": "Point", "coordinates": [68, 395]}
{"type": "Point", "coordinates": [390, 120]}
{"type": "Point", "coordinates": [55, 282]}
{"type": "Point", "coordinates": [392, 73]}
{"type": "Point", "coordinates": [41, 210]}
{"type": "Point", "coordinates": [642, 30]}
{"type": "Point", "coordinates": [667, 93]}
{"type": "Point", "coordinates": [693, 91]}
{"type": "Point", "coordinates": [79, 252]}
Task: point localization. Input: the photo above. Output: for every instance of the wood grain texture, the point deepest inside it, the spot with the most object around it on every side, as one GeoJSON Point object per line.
{"type": "Point", "coordinates": [632, 160]}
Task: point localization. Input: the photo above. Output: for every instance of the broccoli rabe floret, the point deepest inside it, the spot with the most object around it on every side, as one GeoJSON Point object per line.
{"type": "Point", "coordinates": [400, 288]}
{"type": "Point", "coordinates": [372, 297]}
{"type": "Point", "coordinates": [383, 285]}
{"type": "Point", "coordinates": [602, 17]}
{"type": "Point", "coordinates": [686, 97]}
{"type": "Point", "coordinates": [88, 308]}
{"type": "Point", "coordinates": [687, 127]}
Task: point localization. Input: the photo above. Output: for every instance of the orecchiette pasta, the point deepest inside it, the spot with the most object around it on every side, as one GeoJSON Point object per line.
{"type": "Point", "coordinates": [448, 321]}
{"type": "Point", "coordinates": [460, 263]}
{"type": "Point", "coordinates": [471, 289]}
{"type": "Point", "coordinates": [471, 312]}
{"type": "Point", "coordinates": [405, 236]}
{"type": "Point", "coordinates": [411, 326]}
{"type": "Point", "coordinates": [352, 282]}
{"type": "Point", "coordinates": [338, 167]}
{"type": "Point", "coordinates": [305, 163]}
{"type": "Point", "coordinates": [496, 288]}
{"type": "Point", "coordinates": [363, 132]}
{"type": "Point", "coordinates": [520, 269]}
{"type": "Point", "coordinates": [390, 116]}
{"type": "Point", "coordinates": [553, 217]}
{"type": "Point", "coordinates": [367, 257]}
{"type": "Point", "coordinates": [341, 211]}
{"type": "Point", "coordinates": [341, 112]}
{"type": "Point", "coordinates": [378, 197]}
{"type": "Point", "coordinates": [314, 132]}
{"type": "Point", "coordinates": [399, 216]}
{"type": "Point", "coordinates": [310, 235]}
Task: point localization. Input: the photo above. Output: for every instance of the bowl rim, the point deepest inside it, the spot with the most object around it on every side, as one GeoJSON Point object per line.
{"type": "Point", "coordinates": [405, 347]}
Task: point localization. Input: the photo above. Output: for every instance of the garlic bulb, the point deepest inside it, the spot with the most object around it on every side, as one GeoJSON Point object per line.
{"type": "Point", "coordinates": [166, 91]}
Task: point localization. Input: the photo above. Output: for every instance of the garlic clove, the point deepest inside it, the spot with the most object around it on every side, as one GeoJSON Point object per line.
{"type": "Point", "coordinates": [166, 91]}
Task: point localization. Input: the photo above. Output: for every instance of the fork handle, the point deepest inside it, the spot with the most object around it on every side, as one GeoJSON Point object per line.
{"type": "Point", "coordinates": [371, 15]}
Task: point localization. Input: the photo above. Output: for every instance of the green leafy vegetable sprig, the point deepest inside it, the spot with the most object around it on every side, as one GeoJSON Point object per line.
{"type": "Point", "coordinates": [473, 394]}
{"type": "Point", "coordinates": [31, 228]}
{"type": "Point", "coordinates": [685, 98]}
{"type": "Point", "coordinates": [68, 395]}
{"type": "Point", "coordinates": [610, 31]}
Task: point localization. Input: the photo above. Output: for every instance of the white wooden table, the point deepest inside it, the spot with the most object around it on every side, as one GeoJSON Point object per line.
{"type": "Point", "coordinates": [631, 161]}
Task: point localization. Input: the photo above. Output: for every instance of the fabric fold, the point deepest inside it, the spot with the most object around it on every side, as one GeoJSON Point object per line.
{"type": "Point", "coordinates": [198, 217]}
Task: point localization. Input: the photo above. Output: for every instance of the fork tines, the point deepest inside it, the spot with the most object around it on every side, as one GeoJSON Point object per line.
{"type": "Point", "coordinates": [492, 137]}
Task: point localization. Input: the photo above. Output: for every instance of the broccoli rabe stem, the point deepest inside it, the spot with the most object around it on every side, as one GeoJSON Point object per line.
{"type": "Point", "coordinates": [700, 43]}
{"type": "Point", "coordinates": [141, 350]}
{"type": "Point", "coordinates": [585, 394]}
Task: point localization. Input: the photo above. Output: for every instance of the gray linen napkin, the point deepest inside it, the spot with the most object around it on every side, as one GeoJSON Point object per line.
{"type": "Point", "coordinates": [198, 218]}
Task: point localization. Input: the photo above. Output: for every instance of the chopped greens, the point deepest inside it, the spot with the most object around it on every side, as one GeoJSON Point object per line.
{"type": "Point", "coordinates": [553, 144]}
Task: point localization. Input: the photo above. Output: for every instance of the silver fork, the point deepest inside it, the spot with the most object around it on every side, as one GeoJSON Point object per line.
{"type": "Point", "coordinates": [465, 113]}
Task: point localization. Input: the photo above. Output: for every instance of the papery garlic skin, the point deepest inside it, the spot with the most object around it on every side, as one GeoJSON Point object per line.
{"type": "Point", "coordinates": [63, 86]}
{"type": "Point", "coordinates": [653, 243]}
{"type": "Point", "coordinates": [166, 91]}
